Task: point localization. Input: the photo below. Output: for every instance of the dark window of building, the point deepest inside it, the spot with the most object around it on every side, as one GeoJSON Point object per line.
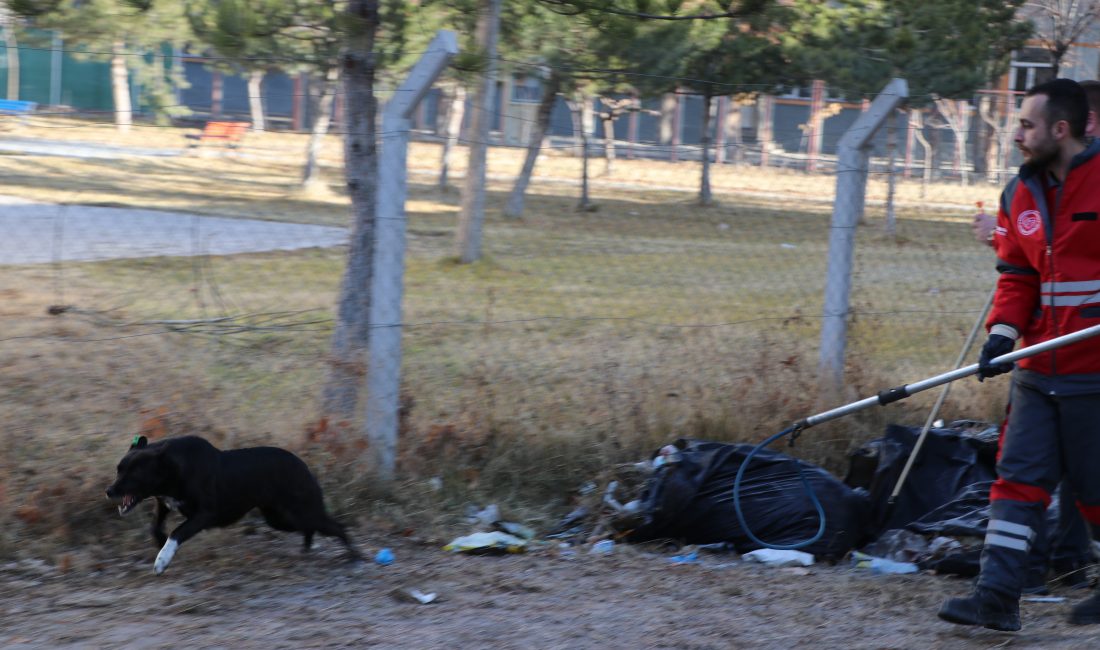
{"type": "Point", "coordinates": [1030, 66]}
{"type": "Point", "coordinates": [526, 90]}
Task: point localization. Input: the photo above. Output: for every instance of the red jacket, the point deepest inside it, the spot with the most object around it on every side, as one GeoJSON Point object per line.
{"type": "Point", "coordinates": [1048, 252]}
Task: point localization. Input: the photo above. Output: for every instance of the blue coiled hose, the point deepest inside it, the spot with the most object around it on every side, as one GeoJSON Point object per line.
{"type": "Point", "coordinates": [793, 431]}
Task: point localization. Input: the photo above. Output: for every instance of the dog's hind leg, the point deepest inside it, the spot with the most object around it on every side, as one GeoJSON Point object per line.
{"type": "Point", "coordinates": [280, 520]}
{"type": "Point", "coordinates": [332, 528]}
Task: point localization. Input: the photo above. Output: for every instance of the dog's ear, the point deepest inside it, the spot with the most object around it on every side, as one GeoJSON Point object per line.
{"type": "Point", "coordinates": [139, 442]}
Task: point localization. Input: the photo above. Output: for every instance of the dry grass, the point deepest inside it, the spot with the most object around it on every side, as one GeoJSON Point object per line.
{"type": "Point", "coordinates": [581, 340]}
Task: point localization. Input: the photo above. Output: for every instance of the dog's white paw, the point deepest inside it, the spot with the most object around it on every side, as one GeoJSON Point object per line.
{"type": "Point", "coordinates": [165, 556]}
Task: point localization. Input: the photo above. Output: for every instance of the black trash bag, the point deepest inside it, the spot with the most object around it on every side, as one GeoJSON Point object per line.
{"type": "Point", "coordinates": [950, 460]}
{"type": "Point", "coordinates": [965, 515]}
{"type": "Point", "coordinates": [692, 501]}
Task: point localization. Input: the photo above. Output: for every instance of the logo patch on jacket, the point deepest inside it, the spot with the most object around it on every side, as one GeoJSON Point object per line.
{"type": "Point", "coordinates": [1028, 222]}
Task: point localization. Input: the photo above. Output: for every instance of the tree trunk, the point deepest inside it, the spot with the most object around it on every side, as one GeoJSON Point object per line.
{"type": "Point", "coordinates": [120, 88]}
{"type": "Point", "coordinates": [721, 148]}
{"type": "Point", "coordinates": [514, 209]}
{"type": "Point", "coordinates": [961, 136]}
{"type": "Point", "coordinates": [577, 121]}
{"type": "Point", "coordinates": [891, 177]}
{"type": "Point", "coordinates": [13, 59]}
{"type": "Point", "coordinates": [764, 127]}
{"type": "Point", "coordinates": [981, 144]}
{"type": "Point", "coordinates": [608, 142]}
{"type": "Point", "coordinates": [452, 130]}
{"type": "Point", "coordinates": [1059, 51]}
{"type": "Point", "coordinates": [998, 115]}
{"type": "Point", "coordinates": [957, 116]}
{"type": "Point", "coordinates": [349, 339]}
{"type": "Point", "coordinates": [255, 100]}
{"type": "Point", "coordinates": [1006, 137]}
{"type": "Point", "coordinates": [705, 196]}
{"type": "Point", "coordinates": [577, 106]}
{"type": "Point", "coordinates": [472, 213]}
{"type": "Point", "coordinates": [815, 125]}
{"type": "Point", "coordinates": [918, 133]}
{"type": "Point", "coordinates": [668, 117]}
{"type": "Point", "coordinates": [733, 131]}
{"type": "Point", "coordinates": [311, 174]}
{"type": "Point", "coordinates": [677, 127]}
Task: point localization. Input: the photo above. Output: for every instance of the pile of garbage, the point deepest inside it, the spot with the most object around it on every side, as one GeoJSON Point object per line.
{"type": "Point", "coordinates": [684, 494]}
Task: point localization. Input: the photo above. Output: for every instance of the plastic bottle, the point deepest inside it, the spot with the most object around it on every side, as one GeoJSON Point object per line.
{"type": "Point", "coordinates": [882, 565]}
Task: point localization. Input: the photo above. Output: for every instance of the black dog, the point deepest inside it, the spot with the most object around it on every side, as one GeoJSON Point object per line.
{"type": "Point", "coordinates": [213, 488]}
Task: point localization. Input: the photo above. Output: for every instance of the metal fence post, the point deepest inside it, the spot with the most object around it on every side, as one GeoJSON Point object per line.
{"type": "Point", "coordinates": [56, 47]}
{"type": "Point", "coordinates": [851, 182]}
{"type": "Point", "coordinates": [384, 347]}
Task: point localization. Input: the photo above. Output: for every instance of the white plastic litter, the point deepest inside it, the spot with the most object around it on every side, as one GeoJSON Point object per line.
{"type": "Point", "coordinates": [603, 547]}
{"type": "Point", "coordinates": [421, 596]}
{"type": "Point", "coordinates": [777, 558]}
{"type": "Point", "coordinates": [414, 596]}
{"type": "Point", "coordinates": [482, 542]}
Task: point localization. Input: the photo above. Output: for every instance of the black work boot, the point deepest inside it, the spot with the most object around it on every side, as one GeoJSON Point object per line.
{"type": "Point", "coordinates": [1036, 583]}
{"type": "Point", "coordinates": [984, 607]}
{"type": "Point", "coordinates": [1086, 612]}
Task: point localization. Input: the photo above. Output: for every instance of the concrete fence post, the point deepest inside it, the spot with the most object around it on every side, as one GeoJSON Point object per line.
{"type": "Point", "coordinates": [853, 157]}
{"type": "Point", "coordinates": [384, 346]}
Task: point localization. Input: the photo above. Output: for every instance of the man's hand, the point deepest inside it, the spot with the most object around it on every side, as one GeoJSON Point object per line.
{"type": "Point", "coordinates": [982, 226]}
{"type": "Point", "coordinates": [995, 346]}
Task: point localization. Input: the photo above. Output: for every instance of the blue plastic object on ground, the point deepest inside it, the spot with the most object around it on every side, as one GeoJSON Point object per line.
{"type": "Point", "coordinates": [384, 557]}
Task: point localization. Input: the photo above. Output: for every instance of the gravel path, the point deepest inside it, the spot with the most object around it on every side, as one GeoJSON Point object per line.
{"type": "Point", "coordinates": [228, 590]}
{"type": "Point", "coordinates": [37, 233]}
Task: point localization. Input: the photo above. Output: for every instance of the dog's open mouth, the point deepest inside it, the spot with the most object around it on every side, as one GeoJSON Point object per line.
{"type": "Point", "coordinates": [128, 503]}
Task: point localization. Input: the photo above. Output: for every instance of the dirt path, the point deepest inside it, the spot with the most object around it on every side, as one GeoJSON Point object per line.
{"type": "Point", "coordinates": [232, 591]}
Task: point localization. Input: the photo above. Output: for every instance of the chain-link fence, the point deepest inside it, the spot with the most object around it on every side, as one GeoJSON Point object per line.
{"type": "Point", "coordinates": [206, 279]}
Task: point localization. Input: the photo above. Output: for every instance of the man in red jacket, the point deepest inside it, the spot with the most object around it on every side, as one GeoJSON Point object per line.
{"type": "Point", "coordinates": [1066, 548]}
{"type": "Point", "coordinates": [1048, 248]}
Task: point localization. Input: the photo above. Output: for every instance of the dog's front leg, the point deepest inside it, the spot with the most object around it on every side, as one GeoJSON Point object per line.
{"type": "Point", "coordinates": [181, 534]}
{"type": "Point", "coordinates": [157, 530]}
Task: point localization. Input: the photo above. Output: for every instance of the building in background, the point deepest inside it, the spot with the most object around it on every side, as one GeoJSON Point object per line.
{"type": "Point", "coordinates": [798, 129]}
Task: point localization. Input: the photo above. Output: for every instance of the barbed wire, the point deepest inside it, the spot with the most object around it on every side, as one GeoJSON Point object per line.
{"type": "Point", "coordinates": [226, 325]}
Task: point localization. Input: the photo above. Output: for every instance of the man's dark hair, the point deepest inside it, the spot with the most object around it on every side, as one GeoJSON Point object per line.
{"type": "Point", "coordinates": [1066, 100]}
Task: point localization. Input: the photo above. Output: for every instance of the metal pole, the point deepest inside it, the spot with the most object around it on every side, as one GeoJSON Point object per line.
{"type": "Point", "coordinates": [901, 392]}
{"type": "Point", "coordinates": [387, 281]}
{"type": "Point", "coordinates": [851, 181]}
{"type": "Point", "coordinates": [55, 68]}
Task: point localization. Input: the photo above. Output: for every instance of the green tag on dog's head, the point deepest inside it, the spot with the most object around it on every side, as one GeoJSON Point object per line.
{"type": "Point", "coordinates": [138, 442]}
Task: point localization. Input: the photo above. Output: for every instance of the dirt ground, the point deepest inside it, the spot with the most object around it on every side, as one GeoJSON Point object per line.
{"type": "Point", "coordinates": [228, 589]}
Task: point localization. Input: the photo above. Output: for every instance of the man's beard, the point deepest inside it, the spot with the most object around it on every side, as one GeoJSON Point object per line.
{"type": "Point", "coordinates": [1041, 155]}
